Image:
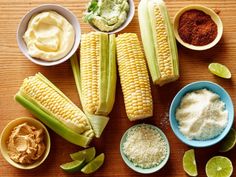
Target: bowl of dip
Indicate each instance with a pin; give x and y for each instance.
(25, 143)
(144, 148)
(48, 35)
(109, 16)
(197, 27)
(201, 114)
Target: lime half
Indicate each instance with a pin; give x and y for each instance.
(219, 166)
(87, 154)
(94, 165)
(219, 70)
(73, 166)
(229, 141)
(189, 163)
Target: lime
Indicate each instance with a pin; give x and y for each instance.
(94, 165)
(87, 154)
(229, 141)
(219, 70)
(73, 166)
(189, 163)
(219, 166)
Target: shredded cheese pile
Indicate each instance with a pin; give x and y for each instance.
(145, 147)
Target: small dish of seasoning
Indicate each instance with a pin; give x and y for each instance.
(197, 27)
(25, 143)
(201, 114)
(109, 16)
(48, 35)
(144, 148)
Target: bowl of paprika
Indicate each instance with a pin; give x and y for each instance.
(197, 27)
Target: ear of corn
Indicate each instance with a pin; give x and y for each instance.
(158, 41)
(96, 77)
(134, 77)
(53, 108)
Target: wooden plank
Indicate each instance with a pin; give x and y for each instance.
(14, 67)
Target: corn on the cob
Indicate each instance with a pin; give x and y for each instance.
(158, 41)
(54, 109)
(96, 77)
(134, 77)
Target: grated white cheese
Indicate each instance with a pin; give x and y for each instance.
(201, 115)
(144, 146)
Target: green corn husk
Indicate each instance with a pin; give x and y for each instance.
(105, 79)
(158, 41)
(45, 101)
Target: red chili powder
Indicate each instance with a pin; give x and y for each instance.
(197, 28)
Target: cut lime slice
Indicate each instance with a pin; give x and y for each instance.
(219, 166)
(73, 166)
(219, 70)
(87, 154)
(189, 163)
(228, 142)
(94, 165)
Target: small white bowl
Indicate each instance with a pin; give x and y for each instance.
(206, 10)
(24, 25)
(6, 133)
(125, 24)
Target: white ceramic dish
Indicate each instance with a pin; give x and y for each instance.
(125, 24)
(208, 11)
(6, 133)
(46, 7)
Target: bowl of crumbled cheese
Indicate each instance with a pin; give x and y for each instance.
(144, 148)
(201, 114)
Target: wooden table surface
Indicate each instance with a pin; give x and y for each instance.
(14, 67)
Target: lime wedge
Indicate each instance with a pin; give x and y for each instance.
(189, 163)
(219, 70)
(73, 166)
(228, 142)
(219, 166)
(87, 154)
(94, 165)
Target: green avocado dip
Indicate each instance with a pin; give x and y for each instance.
(107, 15)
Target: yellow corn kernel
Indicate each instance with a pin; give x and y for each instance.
(96, 77)
(89, 68)
(163, 50)
(55, 104)
(134, 77)
(158, 41)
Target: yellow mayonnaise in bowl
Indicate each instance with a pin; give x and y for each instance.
(5, 138)
(48, 35)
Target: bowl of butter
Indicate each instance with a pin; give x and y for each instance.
(201, 114)
(48, 35)
(25, 143)
(109, 16)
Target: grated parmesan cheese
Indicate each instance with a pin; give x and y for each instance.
(145, 146)
(201, 115)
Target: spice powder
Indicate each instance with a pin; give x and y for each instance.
(197, 28)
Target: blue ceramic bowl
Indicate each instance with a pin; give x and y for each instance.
(139, 169)
(224, 96)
